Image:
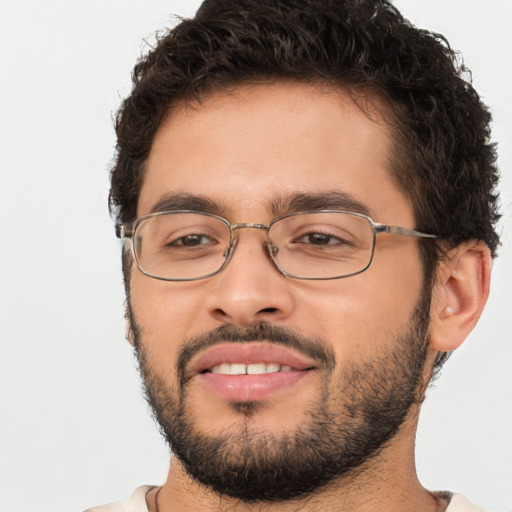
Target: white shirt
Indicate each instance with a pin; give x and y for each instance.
(137, 503)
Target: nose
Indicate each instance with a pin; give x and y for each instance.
(250, 289)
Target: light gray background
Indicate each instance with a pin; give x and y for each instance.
(74, 430)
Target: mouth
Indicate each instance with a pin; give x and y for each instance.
(250, 371)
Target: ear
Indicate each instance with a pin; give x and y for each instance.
(459, 294)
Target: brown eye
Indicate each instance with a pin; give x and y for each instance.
(320, 239)
(193, 240)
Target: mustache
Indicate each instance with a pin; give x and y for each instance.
(315, 348)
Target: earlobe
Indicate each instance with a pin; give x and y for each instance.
(459, 294)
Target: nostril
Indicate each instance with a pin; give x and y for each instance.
(268, 310)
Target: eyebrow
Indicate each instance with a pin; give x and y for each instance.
(331, 200)
(279, 205)
(174, 202)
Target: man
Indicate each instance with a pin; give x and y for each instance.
(306, 192)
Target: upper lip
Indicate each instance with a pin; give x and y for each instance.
(250, 353)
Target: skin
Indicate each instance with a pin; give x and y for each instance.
(244, 149)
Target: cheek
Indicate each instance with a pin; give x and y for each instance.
(169, 313)
(362, 313)
(163, 314)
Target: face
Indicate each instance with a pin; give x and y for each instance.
(341, 359)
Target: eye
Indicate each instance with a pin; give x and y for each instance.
(318, 239)
(192, 240)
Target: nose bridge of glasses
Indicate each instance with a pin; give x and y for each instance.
(248, 225)
(269, 247)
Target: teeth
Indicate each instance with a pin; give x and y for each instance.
(256, 369)
(238, 369)
(224, 368)
(249, 369)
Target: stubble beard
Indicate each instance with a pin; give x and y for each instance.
(341, 431)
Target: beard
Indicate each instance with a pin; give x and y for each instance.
(361, 407)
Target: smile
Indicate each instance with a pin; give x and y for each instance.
(250, 371)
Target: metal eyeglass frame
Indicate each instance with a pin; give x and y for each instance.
(127, 230)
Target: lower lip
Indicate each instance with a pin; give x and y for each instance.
(248, 388)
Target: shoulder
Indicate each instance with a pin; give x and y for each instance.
(459, 503)
(135, 503)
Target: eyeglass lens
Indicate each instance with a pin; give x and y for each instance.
(315, 245)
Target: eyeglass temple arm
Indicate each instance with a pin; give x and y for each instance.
(396, 230)
(124, 230)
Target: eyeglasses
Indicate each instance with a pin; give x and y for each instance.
(188, 245)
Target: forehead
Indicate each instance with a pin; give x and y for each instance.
(254, 147)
